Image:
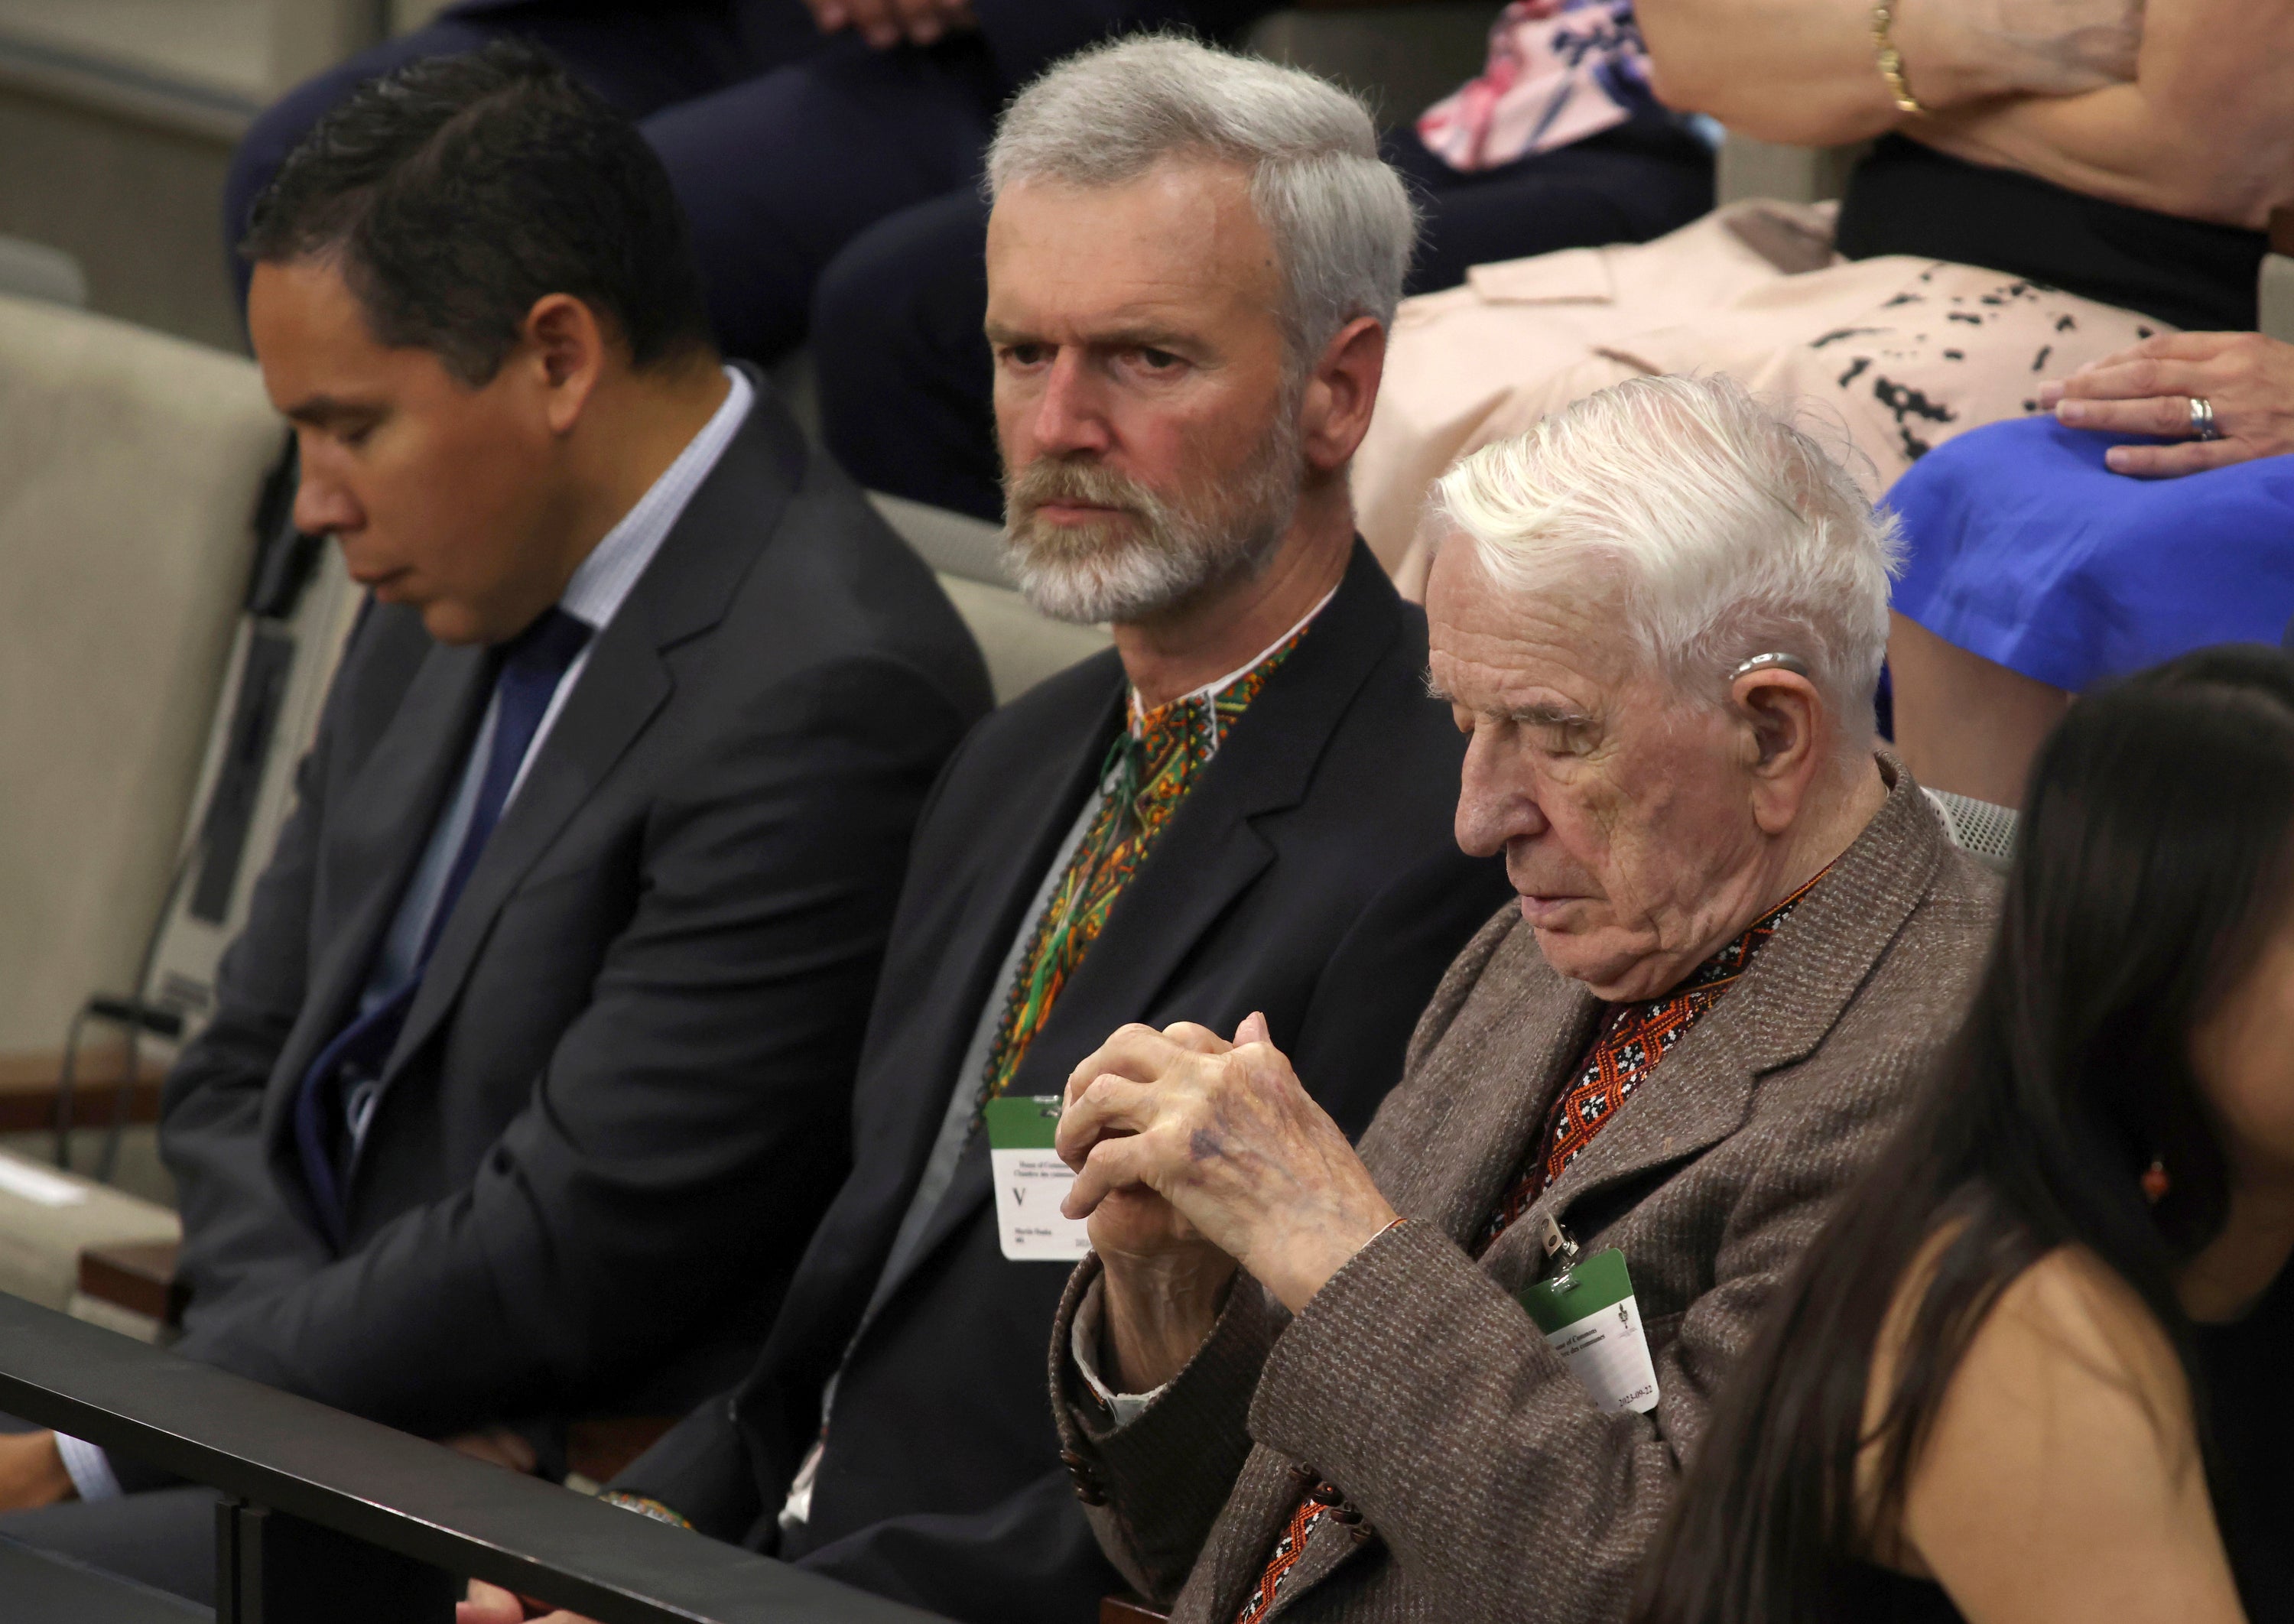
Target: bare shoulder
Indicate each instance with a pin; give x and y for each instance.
(2061, 1478)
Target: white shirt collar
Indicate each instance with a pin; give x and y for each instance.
(604, 580)
(1210, 691)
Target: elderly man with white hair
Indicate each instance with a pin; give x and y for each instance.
(1243, 806)
(1452, 1377)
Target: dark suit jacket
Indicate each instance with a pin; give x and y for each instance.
(1311, 874)
(618, 1104)
(1489, 1488)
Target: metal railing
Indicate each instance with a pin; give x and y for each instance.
(325, 1517)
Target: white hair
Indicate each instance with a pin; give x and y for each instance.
(1340, 218)
(1721, 531)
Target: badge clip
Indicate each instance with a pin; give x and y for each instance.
(1559, 1244)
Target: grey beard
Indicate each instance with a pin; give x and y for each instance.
(1163, 552)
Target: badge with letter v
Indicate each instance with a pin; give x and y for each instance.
(1031, 1181)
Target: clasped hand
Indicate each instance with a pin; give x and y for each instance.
(1185, 1144)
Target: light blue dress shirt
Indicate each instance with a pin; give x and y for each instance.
(595, 596)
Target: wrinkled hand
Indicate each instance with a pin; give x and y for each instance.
(497, 1446)
(2248, 378)
(886, 23)
(32, 1472)
(1225, 1135)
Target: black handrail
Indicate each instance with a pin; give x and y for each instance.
(397, 1492)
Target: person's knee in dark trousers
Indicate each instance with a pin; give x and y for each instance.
(639, 58)
(905, 375)
(780, 174)
(163, 1538)
(1647, 176)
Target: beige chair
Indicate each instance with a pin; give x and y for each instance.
(279, 671)
(48, 1219)
(1985, 831)
(128, 476)
(128, 473)
(2274, 314)
(32, 270)
(1021, 647)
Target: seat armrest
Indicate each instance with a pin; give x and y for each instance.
(138, 1277)
(29, 1085)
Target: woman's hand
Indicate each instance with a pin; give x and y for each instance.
(2247, 379)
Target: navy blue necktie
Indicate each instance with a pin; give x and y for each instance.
(533, 664)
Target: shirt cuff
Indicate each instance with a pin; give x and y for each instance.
(1083, 1341)
(91, 1470)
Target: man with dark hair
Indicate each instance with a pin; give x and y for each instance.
(531, 1065)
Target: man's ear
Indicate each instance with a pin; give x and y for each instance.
(1783, 718)
(1343, 388)
(569, 351)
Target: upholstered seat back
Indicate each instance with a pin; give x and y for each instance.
(129, 468)
(1021, 647)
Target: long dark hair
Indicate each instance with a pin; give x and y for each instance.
(2152, 865)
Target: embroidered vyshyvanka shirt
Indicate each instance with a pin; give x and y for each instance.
(1633, 1037)
(1149, 770)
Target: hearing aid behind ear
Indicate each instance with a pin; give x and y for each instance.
(1794, 663)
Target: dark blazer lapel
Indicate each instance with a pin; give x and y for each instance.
(683, 593)
(377, 828)
(1045, 795)
(1208, 854)
(1790, 998)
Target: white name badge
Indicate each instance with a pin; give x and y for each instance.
(1031, 1181)
(1591, 1320)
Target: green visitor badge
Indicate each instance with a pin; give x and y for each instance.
(1588, 1317)
(1032, 1180)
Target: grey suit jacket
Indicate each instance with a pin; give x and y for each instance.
(1489, 1485)
(619, 1101)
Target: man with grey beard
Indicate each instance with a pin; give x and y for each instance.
(1243, 808)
